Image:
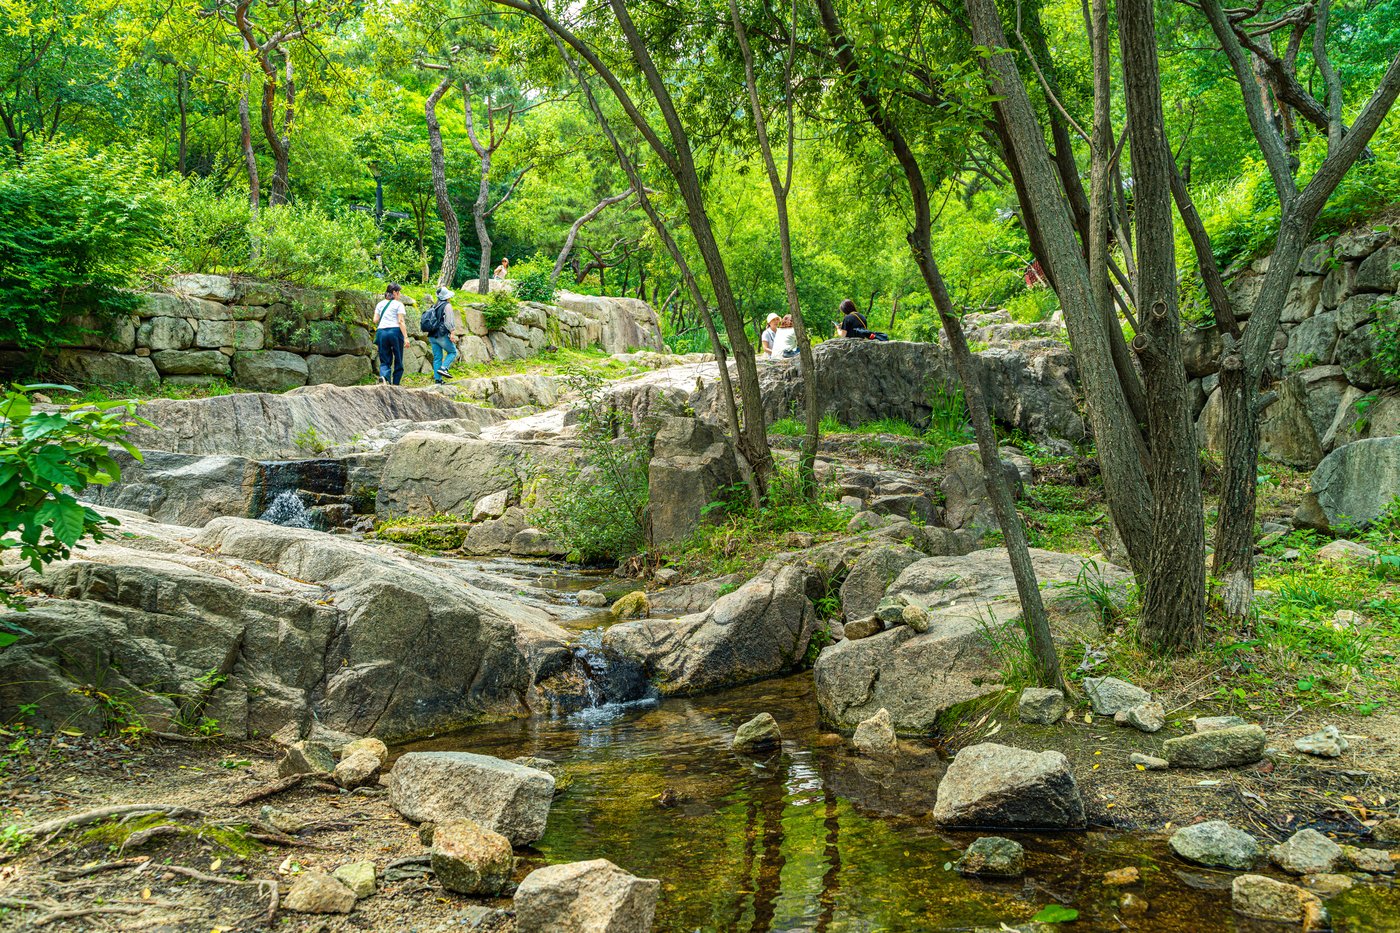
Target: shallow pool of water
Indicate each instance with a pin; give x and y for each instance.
(816, 839)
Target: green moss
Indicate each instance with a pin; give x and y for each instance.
(232, 839)
(435, 533)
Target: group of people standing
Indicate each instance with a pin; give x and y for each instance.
(439, 322)
(779, 340)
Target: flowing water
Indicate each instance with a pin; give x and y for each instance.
(288, 510)
(817, 839)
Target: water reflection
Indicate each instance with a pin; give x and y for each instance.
(816, 839)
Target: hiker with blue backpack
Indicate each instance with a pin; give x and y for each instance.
(440, 324)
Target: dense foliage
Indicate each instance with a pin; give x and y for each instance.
(47, 459)
(139, 170)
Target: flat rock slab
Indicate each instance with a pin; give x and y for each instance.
(501, 796)
(1001, 786)
(1232, 747)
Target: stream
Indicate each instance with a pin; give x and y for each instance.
(818, 839)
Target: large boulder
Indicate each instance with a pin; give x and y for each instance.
(267, 427)
(919, 676)
(585, 897)
(269, 370)
(501, 796)
(1356, 483)
(969, 504)
(759, 630)
(871, 575)
(1000, 786)
(1030, 387)
(90, 367)
(181, 489)
(429, 474)
(302, 626)
(692, 465)
(618, 325)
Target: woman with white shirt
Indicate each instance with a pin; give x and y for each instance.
(390, 334)
(784, 340)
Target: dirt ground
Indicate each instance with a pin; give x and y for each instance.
(142, 892)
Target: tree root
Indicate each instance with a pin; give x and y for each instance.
(268, 790)
(52, 828)
(266, 886)
(57, 912)
(68, 874)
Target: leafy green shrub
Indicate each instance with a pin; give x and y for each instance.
(535, 286)
(499, 308)
(47, 458)
(305, 243)
(1385, 337)
(597, 506)
(206, 230)
(1033, 305)
(75, 229)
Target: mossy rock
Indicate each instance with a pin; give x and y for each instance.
(632, 606)
(435, 536)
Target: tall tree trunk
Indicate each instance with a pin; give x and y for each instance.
(483, 195)
(1122, 449)
(182, 85)
(753, 440)
(452, 231)
(781, 186)
(1173, 614)
(629, 168)
(1033, 617)
(250, 158)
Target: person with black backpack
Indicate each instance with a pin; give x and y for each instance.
(440, 324)
(853, 324)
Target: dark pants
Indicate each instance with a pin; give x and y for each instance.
(389, 340)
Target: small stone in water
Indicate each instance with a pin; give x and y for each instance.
(993, 857)
(1266, 899)
(1041, 705)
(1328, 885)
(1122, 876)
(1148, 762)
(1326, 742)
(1371, 861)
(760, 732)
(875, 736)
(632, 606)
(592, 599)
(1215, 844)
(1307, 852)
(1133, 905)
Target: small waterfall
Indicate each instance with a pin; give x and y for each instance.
(598, 683)
(288, 510)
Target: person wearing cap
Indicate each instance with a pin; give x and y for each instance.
(444, 342)
(766, 338)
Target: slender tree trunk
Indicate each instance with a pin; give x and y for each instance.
(182, 85)
(1120, 443)
(578, 225)
(1033, 617)
(781, 187)
(452, 231)
(483, 195)
(250, 158)
(1173, 614)
(731, 409)
(753, 440)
